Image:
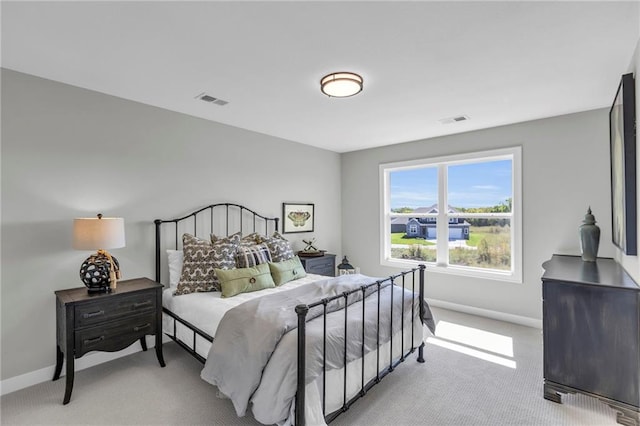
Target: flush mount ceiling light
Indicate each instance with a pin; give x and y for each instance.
(341, 84)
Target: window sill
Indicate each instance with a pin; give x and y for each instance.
(512, 277)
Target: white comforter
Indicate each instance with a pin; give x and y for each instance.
(205, 310)
(253, 357)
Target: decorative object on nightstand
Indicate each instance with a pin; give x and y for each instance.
(345, 267)
(106, 322)
(589, 237)
(100, 271)
(320, 265)
(310, 250)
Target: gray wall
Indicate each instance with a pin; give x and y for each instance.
(565, 170)
(69, 152)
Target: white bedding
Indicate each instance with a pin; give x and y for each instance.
(205, 310)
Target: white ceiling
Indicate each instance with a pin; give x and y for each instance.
(496, 62)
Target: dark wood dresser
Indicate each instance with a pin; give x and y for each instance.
(591, 330)
(106, 322)
(321, 265)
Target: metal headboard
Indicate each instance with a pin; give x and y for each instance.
(237, 218)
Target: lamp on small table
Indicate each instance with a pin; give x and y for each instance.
(100, 271)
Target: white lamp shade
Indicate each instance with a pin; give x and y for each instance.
(94, 233)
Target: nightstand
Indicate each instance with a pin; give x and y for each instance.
(320, 265)
(106, 322)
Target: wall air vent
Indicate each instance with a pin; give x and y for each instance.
(455, 119)
(210, 99)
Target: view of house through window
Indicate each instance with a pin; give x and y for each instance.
(478, 192)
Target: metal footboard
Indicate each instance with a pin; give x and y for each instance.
(302, 310)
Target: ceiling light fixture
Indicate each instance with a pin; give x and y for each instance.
(341, 84)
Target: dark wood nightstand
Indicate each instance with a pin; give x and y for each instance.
(321, 265)
(106, 322)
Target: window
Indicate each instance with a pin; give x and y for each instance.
(473, 200)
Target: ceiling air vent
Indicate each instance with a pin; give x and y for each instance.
(455, 119)
(208, 98)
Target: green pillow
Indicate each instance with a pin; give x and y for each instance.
(287, 270)
(244, 280)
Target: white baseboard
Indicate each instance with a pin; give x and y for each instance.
(45, 374)
(501, 316)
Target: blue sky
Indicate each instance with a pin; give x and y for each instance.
(470, 185)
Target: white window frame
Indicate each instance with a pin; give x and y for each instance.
(442, 265)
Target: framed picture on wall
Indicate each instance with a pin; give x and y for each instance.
(297, 217)
(623, 167)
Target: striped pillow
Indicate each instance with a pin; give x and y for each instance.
(249, 256)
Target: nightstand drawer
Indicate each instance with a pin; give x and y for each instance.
(322, 265)
(103, 310)
(321, 269)
(115, 335)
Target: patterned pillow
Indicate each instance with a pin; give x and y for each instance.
(249, 240)
(253, 255)
(215, 238)
(279, 247)
(200, 259)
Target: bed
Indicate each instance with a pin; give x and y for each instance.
(298, 353)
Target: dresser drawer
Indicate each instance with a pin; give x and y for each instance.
(115, 335)
(87, 314)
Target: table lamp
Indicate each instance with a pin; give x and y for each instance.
(100, 271)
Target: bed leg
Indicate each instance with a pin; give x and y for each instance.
(301, 310)
(422, 302)
(421, 353)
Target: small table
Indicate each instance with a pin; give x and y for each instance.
(106, 322)
(320, 265)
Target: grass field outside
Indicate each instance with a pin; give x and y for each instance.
(487, 247)
(398, 238)
(493, 234)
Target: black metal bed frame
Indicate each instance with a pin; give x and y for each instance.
(302, 310)
(240, 212)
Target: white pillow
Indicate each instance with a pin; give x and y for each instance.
(175, 258)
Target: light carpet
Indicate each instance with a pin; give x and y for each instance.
(478, 372)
